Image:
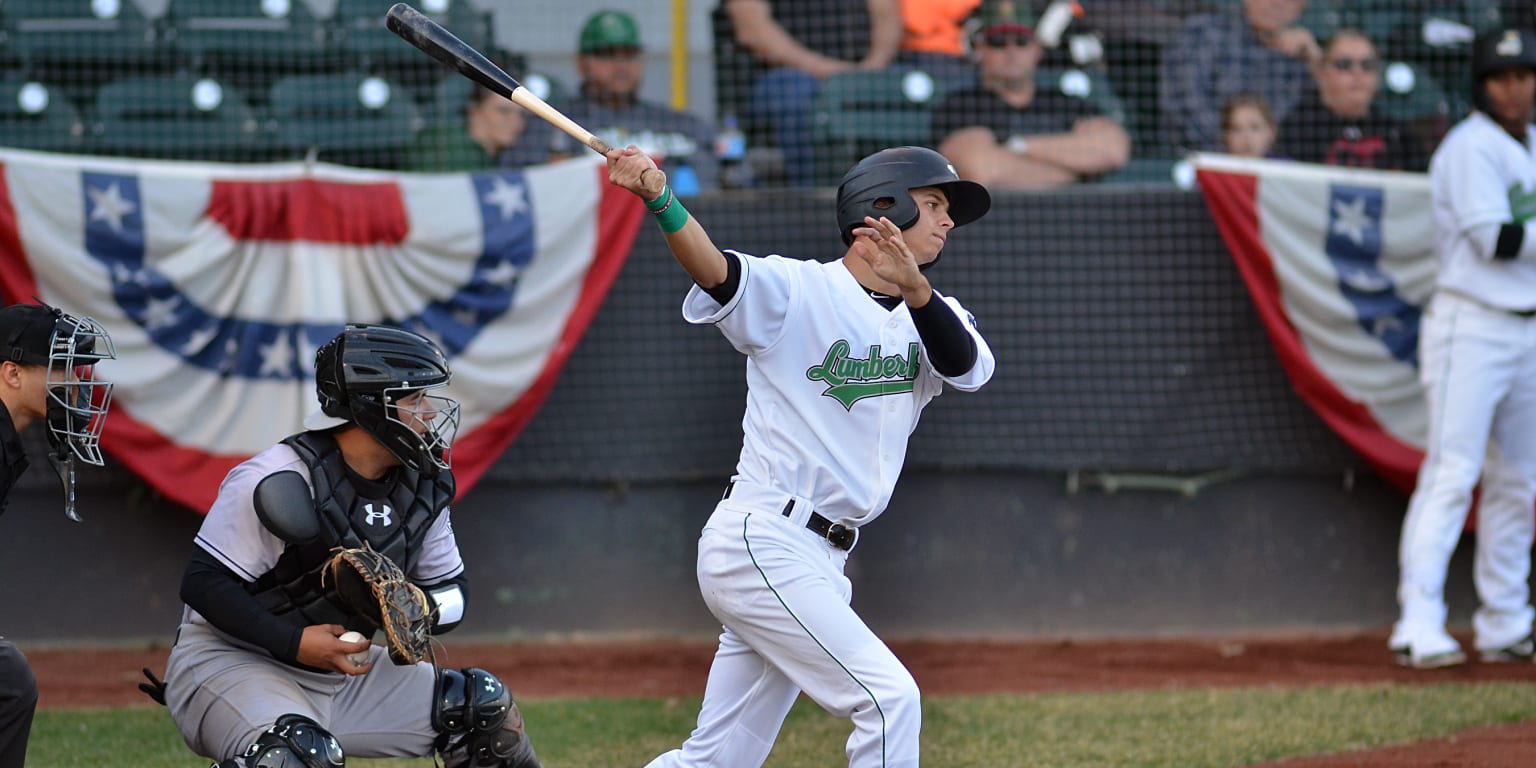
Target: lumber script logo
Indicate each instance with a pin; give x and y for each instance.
(852, 379)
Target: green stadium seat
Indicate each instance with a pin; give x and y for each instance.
(1144, 170)
(180, 116)
(860, 112)
(42, 33)
(1090, 84)
(350, 118)
(36, 116)
(361, 33)
(281, 34)
(1412, 95)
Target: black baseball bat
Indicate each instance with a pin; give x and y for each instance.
(430, 37)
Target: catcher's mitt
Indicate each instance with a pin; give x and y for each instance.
(372, 585)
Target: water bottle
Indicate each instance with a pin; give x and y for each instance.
(731, 148)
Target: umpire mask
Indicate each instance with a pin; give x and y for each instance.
(77, 400)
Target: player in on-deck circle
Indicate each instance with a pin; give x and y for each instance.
(47, 373)
(841, 359)
(1477, 361)
(259, 675)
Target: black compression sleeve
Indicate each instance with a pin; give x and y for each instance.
(1511, 237)
(950, 346)
(723, 292)
(214, 591)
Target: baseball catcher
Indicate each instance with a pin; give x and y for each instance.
(343, 527)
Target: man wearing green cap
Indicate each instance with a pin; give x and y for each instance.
(610, 64)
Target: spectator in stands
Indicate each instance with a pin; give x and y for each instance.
(1247, 126)
(1334, 124)
(1008, 134)
(495, 134)
(611, 67)
(802, 43)
(934, 38)
(1216, 55)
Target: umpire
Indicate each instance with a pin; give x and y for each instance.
(46, 359)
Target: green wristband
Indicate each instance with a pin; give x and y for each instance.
(662, 200)
(673, 218)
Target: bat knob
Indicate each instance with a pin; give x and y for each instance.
(653, 188)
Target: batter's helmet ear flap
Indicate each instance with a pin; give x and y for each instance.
(881, 184)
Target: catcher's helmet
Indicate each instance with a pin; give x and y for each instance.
(1497, 50)
(879, 184)
(362, 375)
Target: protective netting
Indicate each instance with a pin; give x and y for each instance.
(258, 80)
(1126, 337)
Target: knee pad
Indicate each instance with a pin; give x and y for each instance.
(295, 741)
(479, 725)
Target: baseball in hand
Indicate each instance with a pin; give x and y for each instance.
(361, 657)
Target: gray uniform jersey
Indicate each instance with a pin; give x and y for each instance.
(223, 692)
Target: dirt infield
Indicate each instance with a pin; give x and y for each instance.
(108, 677)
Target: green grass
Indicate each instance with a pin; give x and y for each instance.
(1151, 729)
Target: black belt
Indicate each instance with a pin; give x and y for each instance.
(838, 535)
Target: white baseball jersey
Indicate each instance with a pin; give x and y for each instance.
(1482, 176)
(1477, 362)
(234, 535)
(835, 382)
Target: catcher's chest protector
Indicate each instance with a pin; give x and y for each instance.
(394, 524)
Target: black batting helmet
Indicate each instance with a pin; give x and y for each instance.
(879, 184)
(362, 375)
(1496, 50)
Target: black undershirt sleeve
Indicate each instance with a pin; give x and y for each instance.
(723, 292)
(1511, 237)
(949, 345)
(214, 591)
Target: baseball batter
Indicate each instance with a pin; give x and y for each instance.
(841, 359)
(1477, 354)
(47, 365)
(260, 674)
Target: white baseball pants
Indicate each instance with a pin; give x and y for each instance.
(1478, 366)
(780, 592)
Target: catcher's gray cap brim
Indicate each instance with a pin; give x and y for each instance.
(318, 421)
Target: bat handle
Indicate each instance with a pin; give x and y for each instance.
(603, 148)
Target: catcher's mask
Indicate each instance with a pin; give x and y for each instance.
(77, 401)
(377, 377)
(881, 184)
(1498, 50)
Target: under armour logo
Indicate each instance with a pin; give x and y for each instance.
(370, 516)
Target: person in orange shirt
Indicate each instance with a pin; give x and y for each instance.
(934, 38)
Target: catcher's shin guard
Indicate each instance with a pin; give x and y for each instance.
(479, 724)
(295, 741)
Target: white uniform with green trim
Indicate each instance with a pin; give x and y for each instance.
(1477, 360)
(836, 383)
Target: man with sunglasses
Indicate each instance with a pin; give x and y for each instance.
(1217, 55)
(1335, 124)
(261, 673)
(611, 64)
(47, 362)
(1477, 361)
(1009, 133)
